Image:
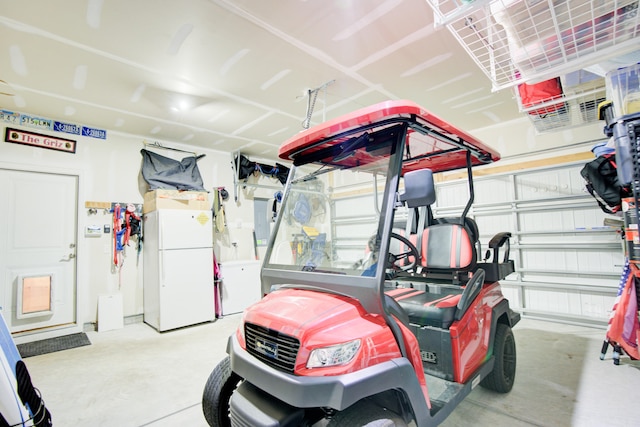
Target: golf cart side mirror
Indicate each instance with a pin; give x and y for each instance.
(418, 188)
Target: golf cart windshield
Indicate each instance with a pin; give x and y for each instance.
(331, 216)
(337, 221)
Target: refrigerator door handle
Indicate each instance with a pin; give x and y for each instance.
(160, 236)
(162, 270)
(161, 250)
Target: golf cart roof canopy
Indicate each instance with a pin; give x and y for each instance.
(433, 143)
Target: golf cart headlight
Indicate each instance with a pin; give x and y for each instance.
(334, 355)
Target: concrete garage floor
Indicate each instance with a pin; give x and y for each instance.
(138, 377)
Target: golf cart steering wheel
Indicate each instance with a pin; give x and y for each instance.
(399, 261)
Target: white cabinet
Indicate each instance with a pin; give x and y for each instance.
(240, 285)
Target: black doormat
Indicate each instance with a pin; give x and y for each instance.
(51, 345)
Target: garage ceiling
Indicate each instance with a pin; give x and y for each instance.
(234, 74)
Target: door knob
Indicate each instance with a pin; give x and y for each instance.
(71, 256)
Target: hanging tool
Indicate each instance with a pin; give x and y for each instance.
(118, 234)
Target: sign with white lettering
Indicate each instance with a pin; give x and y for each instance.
(66, 127)
(42, 123)
(94, 133)
(38, 140)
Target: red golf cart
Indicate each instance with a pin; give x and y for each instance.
(376, 312)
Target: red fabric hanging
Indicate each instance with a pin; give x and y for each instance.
(624, 328)
(548, 90)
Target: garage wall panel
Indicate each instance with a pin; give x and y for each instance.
(452, 194)
(568, 262)
(490, 224)
(514, 296)
(498, 190)
(548, 183)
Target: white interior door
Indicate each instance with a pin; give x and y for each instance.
(38, 250)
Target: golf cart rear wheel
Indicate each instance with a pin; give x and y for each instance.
(504, 370)
(217, 392)
(366, 414)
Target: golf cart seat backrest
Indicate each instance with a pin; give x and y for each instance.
(448, 247)
(448, 251)
(469, 223)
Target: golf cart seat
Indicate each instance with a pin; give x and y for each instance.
(427, 308)
(448, 253)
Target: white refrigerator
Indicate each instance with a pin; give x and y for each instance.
(178, 268)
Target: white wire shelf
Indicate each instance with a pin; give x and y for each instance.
(577, 106)
(516, 41)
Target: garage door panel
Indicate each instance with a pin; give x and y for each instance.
(568, 263)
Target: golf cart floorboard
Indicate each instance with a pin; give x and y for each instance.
(441, 391)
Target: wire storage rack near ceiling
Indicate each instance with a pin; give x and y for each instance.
(532, 41)
(575, 104)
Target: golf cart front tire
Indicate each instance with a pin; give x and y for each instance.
(217, 392)
(366, 414)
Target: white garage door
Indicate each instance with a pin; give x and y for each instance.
(567, 263)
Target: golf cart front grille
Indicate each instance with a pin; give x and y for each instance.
(273, 348)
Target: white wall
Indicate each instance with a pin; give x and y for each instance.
(109, 171)
(519, 137)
